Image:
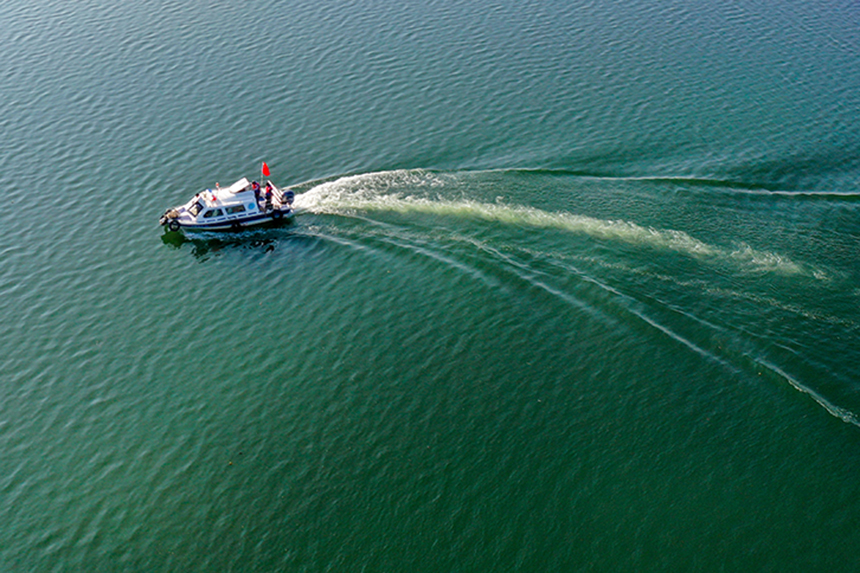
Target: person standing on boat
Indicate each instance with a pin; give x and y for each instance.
(256, 187)
(268, 196)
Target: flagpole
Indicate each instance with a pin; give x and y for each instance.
(264, 172)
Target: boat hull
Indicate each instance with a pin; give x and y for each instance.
(236, 224)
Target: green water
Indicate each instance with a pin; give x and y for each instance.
(571, 286)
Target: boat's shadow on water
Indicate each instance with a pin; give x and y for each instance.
(205, 246)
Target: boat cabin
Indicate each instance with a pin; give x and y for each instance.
(214, 205)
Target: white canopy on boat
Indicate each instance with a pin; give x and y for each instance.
(239, 185)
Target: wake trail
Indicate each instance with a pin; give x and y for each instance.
(395, 192)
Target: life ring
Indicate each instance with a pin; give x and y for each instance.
(277, 215)
(173, 225)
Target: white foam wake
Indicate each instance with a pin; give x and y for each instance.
(384, 192)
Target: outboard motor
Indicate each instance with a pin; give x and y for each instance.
(289, 196)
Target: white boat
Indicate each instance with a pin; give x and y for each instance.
(242, 204)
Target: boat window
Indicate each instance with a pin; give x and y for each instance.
(212, 213)
(195, 209)
(235, 209)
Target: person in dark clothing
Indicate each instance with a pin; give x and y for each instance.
(268, 196)
(256, 188)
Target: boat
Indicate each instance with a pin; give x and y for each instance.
(242, 204)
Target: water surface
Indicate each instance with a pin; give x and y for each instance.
(572, 286)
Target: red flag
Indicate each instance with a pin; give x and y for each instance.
(265, 170)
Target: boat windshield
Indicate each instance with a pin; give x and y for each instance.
(195, 209)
